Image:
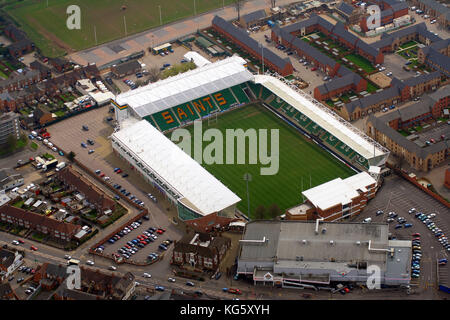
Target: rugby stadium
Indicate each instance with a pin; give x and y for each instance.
(316, 145)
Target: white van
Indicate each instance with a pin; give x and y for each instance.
(367, 220)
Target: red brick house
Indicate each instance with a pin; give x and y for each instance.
(243, 40)
(57, 229)
(200, 250)
(337, 86)
(75, 182)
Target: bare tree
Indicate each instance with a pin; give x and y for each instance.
(239, 4)
(153, 74)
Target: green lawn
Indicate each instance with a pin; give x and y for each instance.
(408, 44)
(297, 159)
(43, 23)
(34, 146)
(361, 62)
(371, 87)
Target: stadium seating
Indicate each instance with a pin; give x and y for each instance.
(277, 102)
(255, 88)
(166, 120)
(152, 122)
(203, 107)
(185, 112)
(332, 140)
(240, 94)
(266, 93)
(228, 96)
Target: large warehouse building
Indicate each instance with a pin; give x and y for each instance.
(194, 191)
(296, 253)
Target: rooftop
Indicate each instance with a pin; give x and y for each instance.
(176, 168)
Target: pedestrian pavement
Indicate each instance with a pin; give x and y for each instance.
(105, 53)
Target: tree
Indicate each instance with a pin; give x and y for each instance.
(154, 74)
(260, 212)
(71, 156)
(239, 4)
(274, 211)
(11, 143)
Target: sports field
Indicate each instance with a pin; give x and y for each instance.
(298, 159)
(46, 26)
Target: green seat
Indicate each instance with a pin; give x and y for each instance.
(240, 94)
(206, 104)
(166, 120)
(255, 88)
(185, 112)
(332, 140)
(224, 99)
(266, 93)
(152, 122)
(277, 102)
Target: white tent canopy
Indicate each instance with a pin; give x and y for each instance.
(185, 87)
(179, 170)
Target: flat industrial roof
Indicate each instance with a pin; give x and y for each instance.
(193, 84)
(334, 124)
(152, 148)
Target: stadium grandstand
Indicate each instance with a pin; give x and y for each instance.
(194, 191)
(181, 99)
(320, 122)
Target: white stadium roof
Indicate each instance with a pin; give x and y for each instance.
(185, 87)
(335, 125)
(338, 191)
(178, 169)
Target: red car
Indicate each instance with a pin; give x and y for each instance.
(119, 171)
(234, 291)
(33, 271)
(20, 241)
(159, 231)
(33, 248)
(416, 235)
(314, 69)
(416, 239)
(102, 175)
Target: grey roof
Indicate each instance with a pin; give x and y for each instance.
(6, 258)
(425, 77)
(15, 77)
(438, 7)
(336, 83)
(254, 16)
(367, 48)
(128, 66)
(343, 70)
(399, 6)
(416, 109)
(308, 49)
(387, 12)
(366, 102)
(434, 58)
(421, 28)
(243, 37)
(284, 241)
(345, 8)
(441, 93)
(440, 44)
(399, 139)
(340, 31)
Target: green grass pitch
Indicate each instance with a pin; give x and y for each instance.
(298, 158)
(45, 25)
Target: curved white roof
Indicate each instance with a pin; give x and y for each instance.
(178, 169)
(185, 87)
(325, 118)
